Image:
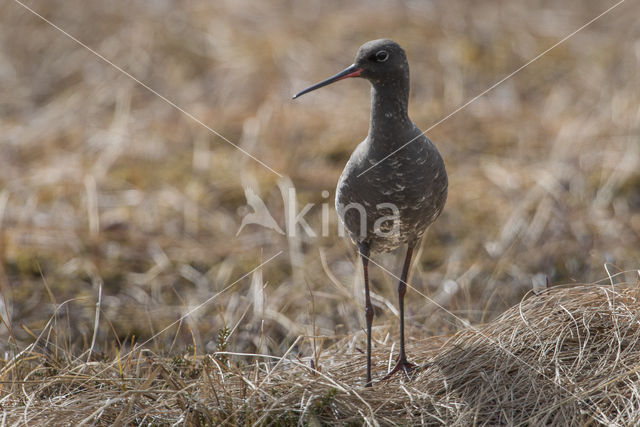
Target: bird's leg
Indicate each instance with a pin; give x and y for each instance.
(364, 255)
(403, 363)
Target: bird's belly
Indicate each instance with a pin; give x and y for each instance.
(389, 211)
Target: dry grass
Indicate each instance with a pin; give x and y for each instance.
(567, 356)
(112, 202)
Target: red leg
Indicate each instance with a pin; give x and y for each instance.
(364, 255)
(403, 363)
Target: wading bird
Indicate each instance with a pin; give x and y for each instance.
(395, 183)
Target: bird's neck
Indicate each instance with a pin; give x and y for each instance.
(389, 110)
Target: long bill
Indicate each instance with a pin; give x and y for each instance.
(351, 71)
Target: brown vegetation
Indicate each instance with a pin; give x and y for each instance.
(562, 357)
(119, 212)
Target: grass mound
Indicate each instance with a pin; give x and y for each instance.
(566, 356)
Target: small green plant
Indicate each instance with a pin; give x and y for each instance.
(221, 345)
(323, 406)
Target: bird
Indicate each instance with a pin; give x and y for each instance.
(395, 184)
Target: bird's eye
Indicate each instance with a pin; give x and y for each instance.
(382, 56)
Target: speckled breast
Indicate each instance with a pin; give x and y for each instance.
(395, 201)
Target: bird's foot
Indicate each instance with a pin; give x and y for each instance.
(403, 365)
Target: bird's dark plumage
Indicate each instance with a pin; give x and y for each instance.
(413, 179)
(395, 183)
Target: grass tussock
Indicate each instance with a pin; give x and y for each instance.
(564, 356)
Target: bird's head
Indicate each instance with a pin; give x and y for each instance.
(378, 61)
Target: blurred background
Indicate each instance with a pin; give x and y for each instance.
(105, 184)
